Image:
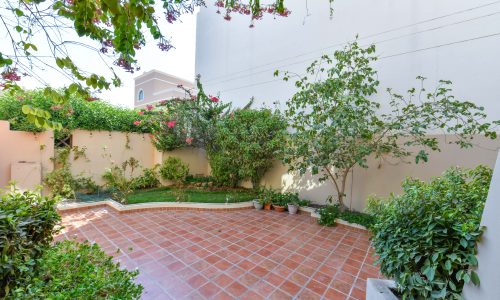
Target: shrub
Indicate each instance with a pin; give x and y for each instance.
(148, 179)
(426, 237)
(174, 169)
(328, 214)
(70, 270)
(27, 224)
(119, 186)
(245, 145)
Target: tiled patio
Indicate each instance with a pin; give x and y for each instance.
(244, 254)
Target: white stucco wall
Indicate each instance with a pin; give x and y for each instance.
(239, 61)
(488, 259)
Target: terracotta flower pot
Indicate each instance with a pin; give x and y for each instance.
(267, 206)
(279, 208)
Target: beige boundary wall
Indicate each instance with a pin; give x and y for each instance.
(103, 148)
(24, 156)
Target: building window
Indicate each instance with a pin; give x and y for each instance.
(140, 96)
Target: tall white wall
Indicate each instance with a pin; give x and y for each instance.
(239, 61)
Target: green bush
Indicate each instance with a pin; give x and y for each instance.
(245, 145)
(174, 169)
(70, 270)
(426, 237)
(27, 224)
(148, 179)
(78, 113)
(119, 186)
(328, 214)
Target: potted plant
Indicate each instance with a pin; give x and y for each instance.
(279, 202)
(294, 202)
(265, 197)
(258, 204)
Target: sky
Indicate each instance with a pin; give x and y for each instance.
(178, 61)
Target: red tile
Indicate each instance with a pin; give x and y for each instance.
(316, 287)
(197, 281)
(290, 288)
(236, 289)
(279, 295)
(209, 290)
(358, 294)
(334, 294)
(223, 280)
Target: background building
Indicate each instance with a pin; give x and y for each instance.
(155, 85)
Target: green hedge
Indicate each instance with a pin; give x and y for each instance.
(27, 224)
(70, 270)
(426, 238)
(96, 115)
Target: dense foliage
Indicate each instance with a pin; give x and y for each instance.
(174, 169)
(76, 114)
(426, 237)
(245, 145)
(70, 270)
(148, 179)
(176, 123)
(27, 224)
(337, 124)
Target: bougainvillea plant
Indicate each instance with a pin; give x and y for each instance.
(42, 35)
(179, 122)
(338, 125)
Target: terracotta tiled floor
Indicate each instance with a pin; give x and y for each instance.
(230, 255)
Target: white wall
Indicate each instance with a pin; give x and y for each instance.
(488, 259)
(239, 61)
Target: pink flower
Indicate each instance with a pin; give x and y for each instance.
(189, 140)
(213, 98)
(149, 107)
(140, 112)
(137, 123)
(162, 101)
(171, 124)
(193, 97)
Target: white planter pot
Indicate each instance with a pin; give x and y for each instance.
(380, 289)
(257, 204)
(292, 209)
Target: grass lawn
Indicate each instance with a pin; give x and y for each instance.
(166, 194)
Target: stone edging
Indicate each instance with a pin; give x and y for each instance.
(120, 208)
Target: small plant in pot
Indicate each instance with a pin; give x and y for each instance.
(265, 197)
(279, 202)
(293, 202)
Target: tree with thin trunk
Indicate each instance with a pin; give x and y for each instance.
(337, 125)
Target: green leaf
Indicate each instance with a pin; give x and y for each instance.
(474, 278)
